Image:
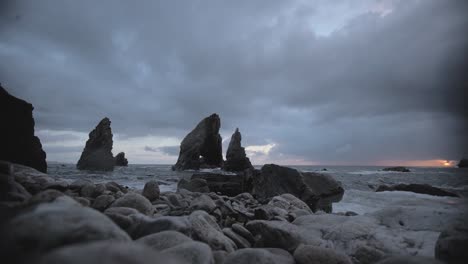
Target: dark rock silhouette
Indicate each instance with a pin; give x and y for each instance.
(201, 148)
(236, 159)
(463, 163)
(416, 188)
(17, 140)
(97, 154)
(317, 190)
(398, 169)
(230, 185)
(120, 160)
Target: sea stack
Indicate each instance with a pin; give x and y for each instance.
(17, 140)
(236, 159)
(201, 148)
(120, 160)
(463, 163)
(97, 154)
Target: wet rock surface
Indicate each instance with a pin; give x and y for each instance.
(417, 188)
(120, 160)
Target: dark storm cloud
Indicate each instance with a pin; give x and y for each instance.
(380, 87)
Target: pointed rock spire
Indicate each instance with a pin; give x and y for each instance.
(97, 154)
(236, 159)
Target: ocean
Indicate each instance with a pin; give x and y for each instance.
(358, 181)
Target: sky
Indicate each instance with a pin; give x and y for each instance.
(345, 82)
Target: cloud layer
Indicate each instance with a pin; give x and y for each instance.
(348, 82)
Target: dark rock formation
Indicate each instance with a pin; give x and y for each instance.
(201, 148)
(226, 184)
(452, 244)
(463, 163)
(318, 191)
(17, 140)
(236, 160)
(97, 154)
(120, 160)
(416, 188)
(398, 169)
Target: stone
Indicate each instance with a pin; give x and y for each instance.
(205, 229)
(88, 190)
(226, 184)
(120, 160)
(463, 163)
(289, 203)
(202, 147)
(55, 224)
(45, 197)
(236, 159)
(107, 252)
(164, 240)
(202, 202)
(136, 201)
(102, 202)
(143, 226)
(411, 260)
(192, 252)
(219, 256)
(237, 239)
(243, 232)
(306, 254)
(151, 190)
(259, 256)
(397, 169)
(417, 188)
(19, 144)
(121, 216)
(10, 190)
(97, 154)
(194, 185)
(317, 190)
(83, 201)
(452, 244)
(114, 187)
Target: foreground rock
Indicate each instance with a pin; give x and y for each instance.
(236, 159)
(452, 245)
(417, 188)
(97, 154)
(259, 256)
(58, 223)
(305, 254)
(226, 184)
(397, 169)
(151, 190)
(463, 163)
(135, 201)
(17, 140)
(120, 160)
(201, 148)
(109, 253)
(318, 191)
(164, 240)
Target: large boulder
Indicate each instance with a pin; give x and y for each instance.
(202, 147)
(417, 188)
(17, 140)
(120, 160)
(236, 159)
(164, 240)
(317, 190)
(192, 252)
(194, 185)
(151, 190)
(135, 201)
(452, 244)
(97, 154)
(226, 184)
(259, 256)
(205, 229)
(55, 224)
(108, 252)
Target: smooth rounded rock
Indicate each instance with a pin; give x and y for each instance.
(164, 240)
(306, 254)
(136, 201)
(102, 202)
(205, 229)
(259, 256)
(151, 190)
(192, 252)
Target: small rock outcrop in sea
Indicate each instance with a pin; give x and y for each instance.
(236, 159)
(317, 190)
(417, 188)
(201, 148)
(17, 140)
(398, 169)
(463, 163)
(97, 154)
(120, 160)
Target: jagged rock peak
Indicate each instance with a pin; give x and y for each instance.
(202, 147)
(97, 154)
(17, 140)
(120, 160)
(236, 159)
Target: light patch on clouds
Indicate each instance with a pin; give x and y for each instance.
(259, 149)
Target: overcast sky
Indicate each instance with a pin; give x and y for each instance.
(376, 82)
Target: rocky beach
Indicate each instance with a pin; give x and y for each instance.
(207, 210)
